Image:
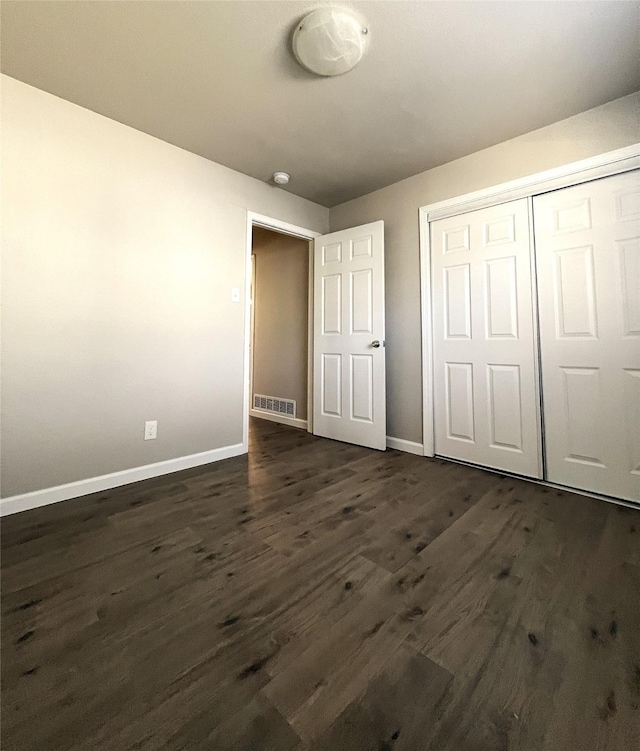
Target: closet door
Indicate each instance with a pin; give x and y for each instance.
(486, 401)
(587, 242)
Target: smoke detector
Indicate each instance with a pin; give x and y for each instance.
(281, 178)
(330, 41)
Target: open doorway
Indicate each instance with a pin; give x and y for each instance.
(345, 335)
(279, 337)
(279, 375)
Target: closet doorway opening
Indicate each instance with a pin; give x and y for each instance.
(280, 298)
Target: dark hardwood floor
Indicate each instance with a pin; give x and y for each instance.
(320, 596)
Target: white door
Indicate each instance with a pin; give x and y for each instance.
(486, 400)
(588, 258)
(349, 354)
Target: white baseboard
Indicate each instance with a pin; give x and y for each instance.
(401, 445)
(294, 422)
(16, 503)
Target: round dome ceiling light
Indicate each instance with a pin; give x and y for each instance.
(281, 178)
(330, 41)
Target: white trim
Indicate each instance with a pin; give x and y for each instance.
(294, 422)
(246, 391)
(267, 222)
(310, 312)
(17, 503)
(252, 322)
(410, 447)
(537, 353)
(428, 421)
(287, 229)
(603, 165)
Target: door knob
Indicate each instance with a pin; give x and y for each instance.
(375, 343)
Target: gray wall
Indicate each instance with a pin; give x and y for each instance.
(596, 131)
(281, 300)
(119, 255)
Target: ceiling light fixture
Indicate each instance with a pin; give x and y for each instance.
(281, 178)
(330, 41)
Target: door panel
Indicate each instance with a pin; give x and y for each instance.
(574, 293)
(505, 413)
(486, 400)
(331, 304)
(631, 396)
(459, 401)
(583, 412)
(588, 260)
(502, 298)
(362, 302)
(362, 387)
(349, 372)
(457, 302)
(331, 385)
(629, 274)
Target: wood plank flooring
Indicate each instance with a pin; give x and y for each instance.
(317, 596)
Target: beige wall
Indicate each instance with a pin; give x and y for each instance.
(281, 301)
(596, 131)
(119, 255)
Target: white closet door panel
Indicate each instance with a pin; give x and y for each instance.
(505, 409)
(459, 401)
(587, 241)
(485, 382)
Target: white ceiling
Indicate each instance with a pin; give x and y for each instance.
(441, 79)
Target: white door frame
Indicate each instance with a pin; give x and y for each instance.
(259, 220)
(604, 165)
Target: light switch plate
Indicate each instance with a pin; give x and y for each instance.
(235, 294)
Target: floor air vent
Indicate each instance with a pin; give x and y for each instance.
(277, 406)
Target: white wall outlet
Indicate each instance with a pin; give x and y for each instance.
(235, 294)
(150, 430)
